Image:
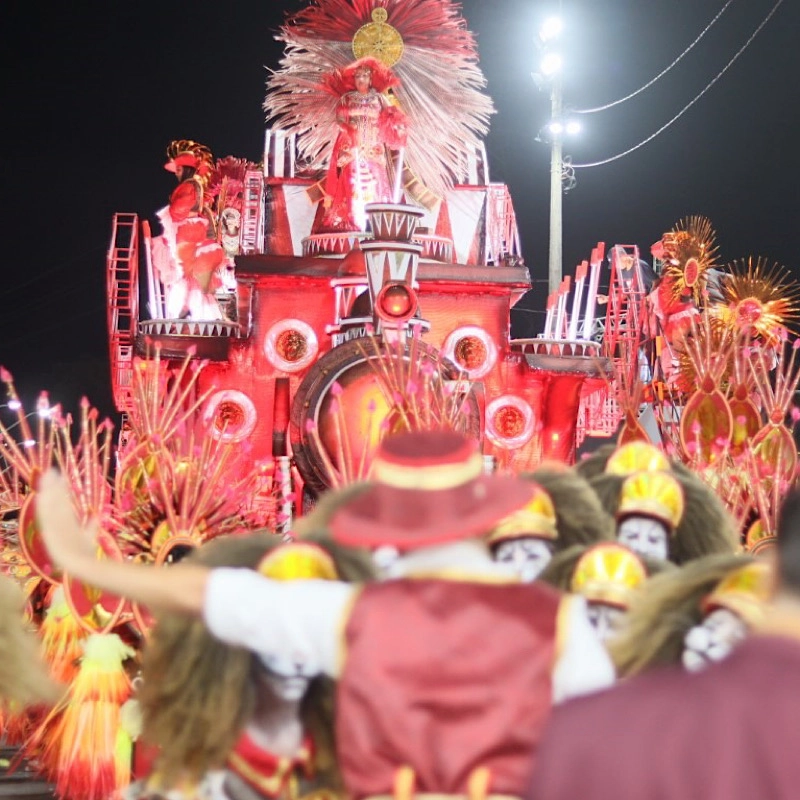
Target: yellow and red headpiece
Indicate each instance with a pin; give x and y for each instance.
(745, 592)
(297, 561)
(536, 519)
(652, 494)
(636, 456)
(608, 573)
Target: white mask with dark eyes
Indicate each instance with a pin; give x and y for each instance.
(528, 556)
(645, 536)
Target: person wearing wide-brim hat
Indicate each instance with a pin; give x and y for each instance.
(446, 672)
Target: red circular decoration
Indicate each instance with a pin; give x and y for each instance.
(291, 345)
(509, 422)
(230, 415)
(396, 302)
(691, 272)
(749, 311)
(472, 349)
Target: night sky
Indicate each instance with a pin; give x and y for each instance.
(94, 92)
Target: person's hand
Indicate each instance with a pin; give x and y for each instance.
(66, 540)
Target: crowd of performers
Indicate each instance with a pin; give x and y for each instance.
(415, 634)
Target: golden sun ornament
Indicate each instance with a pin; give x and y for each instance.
(761, 298)
(379, 40)
(689, 253)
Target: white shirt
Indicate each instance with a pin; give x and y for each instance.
(303, 620)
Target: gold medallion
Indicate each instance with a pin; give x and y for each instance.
(379, 40)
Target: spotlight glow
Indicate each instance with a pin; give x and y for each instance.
(551, 63)
(551, 29)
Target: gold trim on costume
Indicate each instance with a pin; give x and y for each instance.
(431, 478)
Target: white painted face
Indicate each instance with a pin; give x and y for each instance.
(605, 619)
(528, 556)
(288, 679)
(645, 536)
(712, 640)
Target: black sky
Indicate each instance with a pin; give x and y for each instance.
(93, 92)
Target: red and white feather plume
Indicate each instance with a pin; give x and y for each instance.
(440, 91)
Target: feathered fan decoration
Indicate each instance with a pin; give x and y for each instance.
(427, 45)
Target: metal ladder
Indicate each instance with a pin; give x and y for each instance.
(122, 289)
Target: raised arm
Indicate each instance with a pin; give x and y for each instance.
(296, 620)
(74, 549)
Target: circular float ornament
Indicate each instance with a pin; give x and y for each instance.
(691, 272)
(230, 415)
(30, 541)
(471, 349)
(379, 40)
(396, 302)
(510, 422)
(291, 345)
(96, 611)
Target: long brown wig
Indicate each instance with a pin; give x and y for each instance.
(24, 679)
(663, 613)
(198, 693)
(580, 518)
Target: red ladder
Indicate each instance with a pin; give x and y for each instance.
(122, 289)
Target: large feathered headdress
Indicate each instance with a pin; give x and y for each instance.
(426, 44)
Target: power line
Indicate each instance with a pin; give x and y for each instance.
(660, 74)
(688, 105)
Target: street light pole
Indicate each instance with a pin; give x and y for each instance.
(556, 195)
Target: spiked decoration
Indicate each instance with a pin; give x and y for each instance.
(762, 299)
(689, 253)
(25, 461)
(707, 422)
(773, 446)
(425, 43)
(172, 482)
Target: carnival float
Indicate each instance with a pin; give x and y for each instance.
(280, 315)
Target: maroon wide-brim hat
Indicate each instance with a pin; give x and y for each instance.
(428, 488)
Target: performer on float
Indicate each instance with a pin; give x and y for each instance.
(665, 624)
(410, 716)
(364, 160)
(187, 257)
(226, 722)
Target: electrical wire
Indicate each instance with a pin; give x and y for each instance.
(660, 74)
(688, 105)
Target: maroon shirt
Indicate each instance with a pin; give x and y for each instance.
(731, 732)
(445, 677)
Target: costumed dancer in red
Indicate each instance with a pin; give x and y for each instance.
(188, 257)
(370, 127)
(447, 673)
